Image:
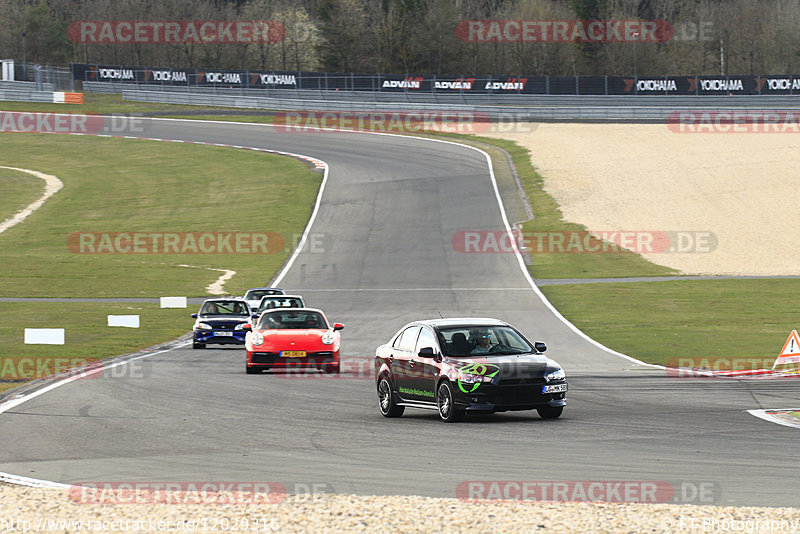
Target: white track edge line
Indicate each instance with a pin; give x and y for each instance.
(13, 403)
(762, 414)
(17, 480)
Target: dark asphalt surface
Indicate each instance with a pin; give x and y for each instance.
(390, 210)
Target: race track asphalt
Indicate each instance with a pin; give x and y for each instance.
(387, 218)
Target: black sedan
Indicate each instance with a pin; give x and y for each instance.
(457, 366)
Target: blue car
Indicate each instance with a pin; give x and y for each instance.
(220, 321)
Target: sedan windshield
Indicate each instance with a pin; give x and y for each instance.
(267, 303)
(221, 307)
(256, 294)
(482, 340)
(281, 320)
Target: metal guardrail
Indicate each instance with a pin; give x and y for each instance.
(524, 107)
(26, 86)
(365, 98)
(16, 95)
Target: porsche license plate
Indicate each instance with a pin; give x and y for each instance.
(293, 354)
(223, 334)
(555, 388)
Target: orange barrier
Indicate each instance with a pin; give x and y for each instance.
(73, 98)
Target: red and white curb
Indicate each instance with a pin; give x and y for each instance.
(762, 374)
(318, 163)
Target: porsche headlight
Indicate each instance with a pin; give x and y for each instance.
(256, 338)
(203, 326)
(555, 374)
(328, 338)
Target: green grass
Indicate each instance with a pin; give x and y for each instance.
(87, 336)
(19, 190)
(660, 321)
(119, 185)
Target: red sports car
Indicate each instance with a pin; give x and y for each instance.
(293, 338)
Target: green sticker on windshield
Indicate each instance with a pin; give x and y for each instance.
(475, 370)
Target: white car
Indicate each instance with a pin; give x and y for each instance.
(253, 295)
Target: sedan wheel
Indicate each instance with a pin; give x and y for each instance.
(447, 408)
(386, 401)
(198, 345)
(550, 412)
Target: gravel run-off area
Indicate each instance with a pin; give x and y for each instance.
(736, 192)
(55, 510)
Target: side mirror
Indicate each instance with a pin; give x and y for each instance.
(539, 346)
(247, 326)
(194, 316)
(426, 352)
(338, 326)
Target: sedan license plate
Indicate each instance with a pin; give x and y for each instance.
(293, 354)
(555, 388)
(224, 334)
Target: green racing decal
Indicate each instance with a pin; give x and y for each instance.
(420, 392)
(474, 374)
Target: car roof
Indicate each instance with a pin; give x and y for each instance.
(225, 299)
(281, 297)
(261, 288)
(461, 321)
(293, 310)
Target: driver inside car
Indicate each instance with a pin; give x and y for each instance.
(483, 343)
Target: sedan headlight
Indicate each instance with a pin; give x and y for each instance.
(469, 378)
(256, 338)
(203, 326)
(239, 326)
(328, 338)
(555, 374)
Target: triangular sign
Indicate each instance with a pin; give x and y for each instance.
(790, 352)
